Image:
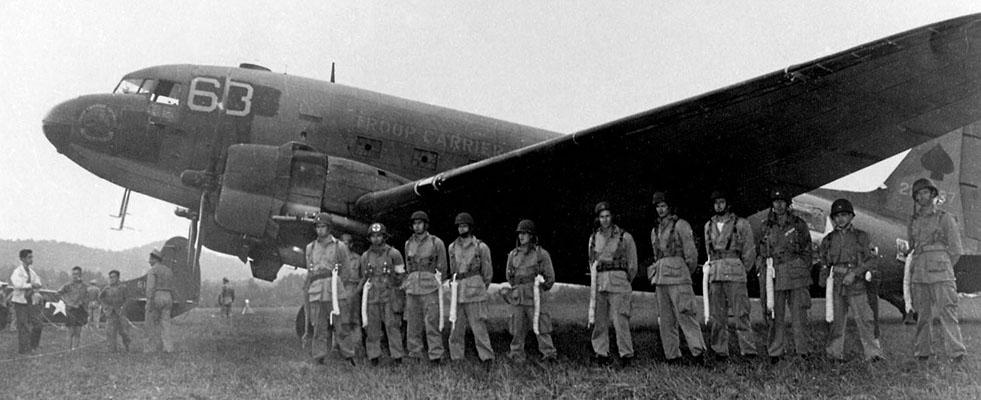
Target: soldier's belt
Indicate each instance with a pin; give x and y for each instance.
(610, 266)
(320, 275)
(932, 247)
(784, 259)
(470, 273)
(422, 268)
(524, 280)
(351, 282)
(716, 255)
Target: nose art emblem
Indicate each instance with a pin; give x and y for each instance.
(97, 123)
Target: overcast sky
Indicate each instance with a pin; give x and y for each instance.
(559, 65)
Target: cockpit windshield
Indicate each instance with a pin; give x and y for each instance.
(159, 90)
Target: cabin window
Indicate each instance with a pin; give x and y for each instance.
(367, 147)
(425, 159)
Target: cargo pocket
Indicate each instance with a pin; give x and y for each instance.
(686, 303)
(473, 288)
(672, 271)
(427, 282)
(544, 322)
(730, 271)
(937, 265)
(397, 300)
(797, 270)
(316, 290)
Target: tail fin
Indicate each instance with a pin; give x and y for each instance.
(953, 163)
(187, 277)
(187, 282)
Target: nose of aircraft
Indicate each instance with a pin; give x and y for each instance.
(57, 125)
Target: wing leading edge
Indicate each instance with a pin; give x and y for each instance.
(801, 128)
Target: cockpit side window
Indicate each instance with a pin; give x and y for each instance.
(166, 92)
(159, 90)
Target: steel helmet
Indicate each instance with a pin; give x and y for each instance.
(660, 197)
(602, 206)
(527, 226)
(420, 215)
(924, 183)
(840, 206)
(157, 254)
(464, 218)
(322, 218)
(719, 194)
(378, 228)
(780, 194)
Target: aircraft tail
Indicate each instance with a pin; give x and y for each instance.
(952, 162)
(187, 281)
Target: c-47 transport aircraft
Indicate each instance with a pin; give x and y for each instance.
(251, 155)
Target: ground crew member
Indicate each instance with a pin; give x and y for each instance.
(75, 296)
(25, 281)
(425, 258)
(936, 242)
(93, 304)
(325, 255)
(675, 258)
(845, 253)
(470, 266)
(382, 270)
(355, 261)
(731, 250)
(113, 299)
(226, 298)
(614, 253)
(159, 301)
(786, 242)
(525, 263)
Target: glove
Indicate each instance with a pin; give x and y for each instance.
(848, 279)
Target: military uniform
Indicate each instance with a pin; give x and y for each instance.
(470, 265)
(675, 257)
(356, 332)
(936, 242)
(225, 300)
(731, 249)
(113, 299)
(615, 255)
(524, 264)
(160, 300)
(322, 258)
(846, 251)
(788, 243)
(425, 255)
(379, 266)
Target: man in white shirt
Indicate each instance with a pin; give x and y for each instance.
(24, 281)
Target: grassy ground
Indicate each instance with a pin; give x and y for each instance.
(257, 356)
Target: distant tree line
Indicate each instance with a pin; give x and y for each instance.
(286, 291)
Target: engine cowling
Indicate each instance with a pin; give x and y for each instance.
(262, 181)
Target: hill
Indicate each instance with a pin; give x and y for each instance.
(51, 258)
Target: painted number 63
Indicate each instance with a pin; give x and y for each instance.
(236, 97)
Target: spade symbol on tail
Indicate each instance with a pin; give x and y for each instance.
(938, 162)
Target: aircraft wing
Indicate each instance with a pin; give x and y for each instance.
(801, 128)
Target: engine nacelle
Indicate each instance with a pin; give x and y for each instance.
(261, 181)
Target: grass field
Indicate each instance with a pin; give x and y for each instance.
(258, 357)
